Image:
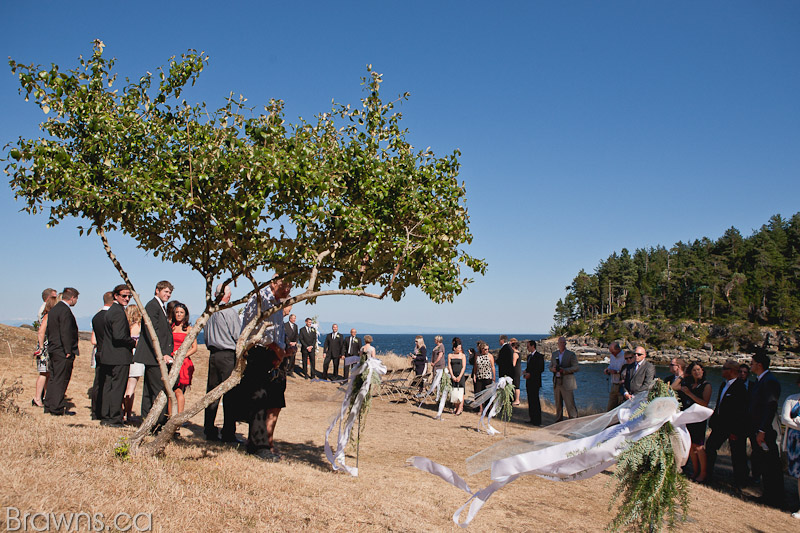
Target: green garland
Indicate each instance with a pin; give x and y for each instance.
(505, 397)
(358, 382)
(648, 480)
(445, 385)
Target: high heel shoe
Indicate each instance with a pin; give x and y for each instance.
(34, 404)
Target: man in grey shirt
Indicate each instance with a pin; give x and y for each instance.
(222, 332)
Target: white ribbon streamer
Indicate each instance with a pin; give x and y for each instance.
(437, 378)
(582, 457)
(370, 366)
(491, 407)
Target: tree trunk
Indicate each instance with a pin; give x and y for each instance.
(157, 445)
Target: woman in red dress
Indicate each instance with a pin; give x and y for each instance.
(180, 327)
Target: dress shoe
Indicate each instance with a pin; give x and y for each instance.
(213, 437)
(112, 424)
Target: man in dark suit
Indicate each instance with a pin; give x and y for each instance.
(62, 338)
(728, 423)
(98, 331)
(332, 349)
(505, 358)
(291, 330)
(352, 347)
(533, 382)
(117, 358)
(764, 396)
(563, 365)
(308, 347)
(145, 351)
(637, 376)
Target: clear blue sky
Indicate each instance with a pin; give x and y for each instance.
(585, 127)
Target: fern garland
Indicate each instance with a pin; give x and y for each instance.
(648, 479)
(505, 397)
(445, 385)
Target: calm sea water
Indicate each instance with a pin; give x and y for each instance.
(593, 384)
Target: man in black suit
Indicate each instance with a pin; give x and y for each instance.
(308, 347)
(332, 349)
(145, 351)
(505, 358)
(764, 396)
(533, 382)
(62, 338)
(351, 347)
(638, 375)
(291, 330)
(98, 331)
(117, 358)
(728, 423)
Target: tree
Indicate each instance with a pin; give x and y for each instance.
(344, 202)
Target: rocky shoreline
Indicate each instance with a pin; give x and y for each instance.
(591, 349)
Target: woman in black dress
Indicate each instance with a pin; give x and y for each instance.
(457, 366)
(695, 390)
(517, 376)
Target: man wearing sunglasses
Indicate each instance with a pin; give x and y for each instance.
(637, 375)
(117, 357)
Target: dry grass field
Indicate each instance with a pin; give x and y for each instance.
(67, 464)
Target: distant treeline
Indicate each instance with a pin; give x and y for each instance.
(754, 278)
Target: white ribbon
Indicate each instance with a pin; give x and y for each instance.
(580, 458)
(338, 460)
(437, 378)
(490, 410)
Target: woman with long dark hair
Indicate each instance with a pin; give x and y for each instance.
(696, 390)
(457, 366)
(180, 327)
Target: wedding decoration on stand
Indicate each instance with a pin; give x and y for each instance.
(648, 477)
(443, 394)
(497, 397)
(356, 405)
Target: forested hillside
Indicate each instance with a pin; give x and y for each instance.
(731, 279)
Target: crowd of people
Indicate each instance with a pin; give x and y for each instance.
(746, 410)
(124, 351)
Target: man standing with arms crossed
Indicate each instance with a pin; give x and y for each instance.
(145, 351)
(221, 333)
(62, 338)
(563, 365)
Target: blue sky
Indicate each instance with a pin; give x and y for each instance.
(584, 127)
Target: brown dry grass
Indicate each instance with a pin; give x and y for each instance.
(67, 464)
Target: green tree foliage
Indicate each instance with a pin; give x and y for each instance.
(339, 205)
(732, 278)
